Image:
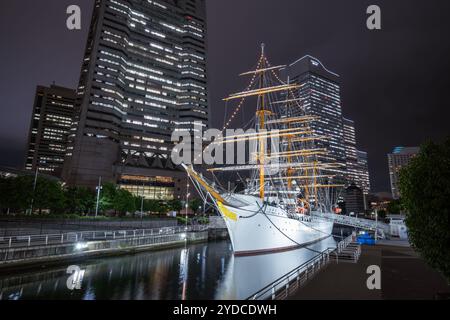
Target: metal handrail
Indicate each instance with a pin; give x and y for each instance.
(285, 280)
(354, 222)
(20, 241)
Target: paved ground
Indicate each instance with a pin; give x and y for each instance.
(404, 275)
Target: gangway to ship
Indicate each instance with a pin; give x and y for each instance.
(381, 228)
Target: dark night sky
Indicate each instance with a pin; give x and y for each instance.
(394, 81)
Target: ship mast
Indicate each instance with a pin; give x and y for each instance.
(295, 129)
(289, 171)
(261, 114)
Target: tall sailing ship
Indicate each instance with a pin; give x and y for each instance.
(289, 177)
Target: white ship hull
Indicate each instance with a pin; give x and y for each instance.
(254, 231)
(256, 227)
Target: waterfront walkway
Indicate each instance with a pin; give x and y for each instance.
(45, 249)
(404, 275)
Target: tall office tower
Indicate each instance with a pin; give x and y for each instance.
(354, 200)
(351, 152)
(320, 96)
(50, 125)
(363, 180)
(143, 77)
(357, 163)
(399, 158)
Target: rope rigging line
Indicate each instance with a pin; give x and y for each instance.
(238, 106)
(297, 243)
(281, 81)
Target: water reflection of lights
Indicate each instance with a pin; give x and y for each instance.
(199, 271)
(184, 269)
(248, 274)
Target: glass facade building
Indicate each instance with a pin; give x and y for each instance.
(50, 125)
(363, 180)
(357, 162)
(320, 96)
(143, 77)
(399, 158)
(351, 152)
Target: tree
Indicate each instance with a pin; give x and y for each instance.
(48, 195)
(195, 204)
(151, 205)
(7, 202)
(425, 188)
(20, 193)
(381, 214)
(79, 200)
(107, 195)
(162, 208)
(124, 201)
(394, 207)
(175, 205)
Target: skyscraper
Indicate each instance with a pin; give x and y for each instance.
(357, 162)
(354, 200)
(363, 180)
(399, 158)
(320, 96)
(143, 77)
(351, 152)
(50, 125)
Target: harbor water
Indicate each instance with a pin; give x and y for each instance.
(199, 271)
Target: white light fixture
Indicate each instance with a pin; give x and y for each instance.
(81, 246)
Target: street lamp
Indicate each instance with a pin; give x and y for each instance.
(376, 224)
(142, 201)
(34, 189)
(98, 188)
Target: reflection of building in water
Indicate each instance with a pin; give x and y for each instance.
(204, 271)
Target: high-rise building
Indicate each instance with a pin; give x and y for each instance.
(354, 200)
(351, 152)
(363, 179)
(50, 125)
(399, 158)
(143, 77)
(320, 96)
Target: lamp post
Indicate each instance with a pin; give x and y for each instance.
(376, 224)
(99, 188)
(142, 201)
(34, 190)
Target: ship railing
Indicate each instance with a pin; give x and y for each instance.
(20, 241)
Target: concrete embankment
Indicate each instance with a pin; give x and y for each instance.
(218, 234)
(26, 257)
